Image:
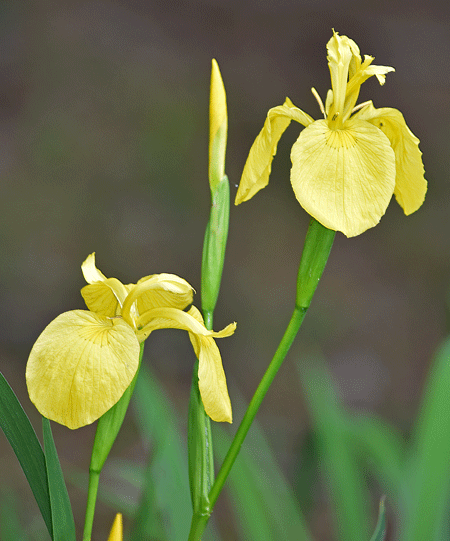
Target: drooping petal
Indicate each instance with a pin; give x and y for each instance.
(116, 532)
(172, 318)
(80, 366)
(259, 162)
(343, 178)
(211, 376)
(102, 295)
(211, 379)
(212, 382)
(410, 184)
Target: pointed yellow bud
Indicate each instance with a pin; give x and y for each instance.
(116, 533)
(218, 126)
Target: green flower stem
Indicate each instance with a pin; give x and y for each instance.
(108, 427)
(318, 243)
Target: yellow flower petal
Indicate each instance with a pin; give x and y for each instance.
(161, 290)
(211, 376)
(259, 162)
(117, 529)
(410, 184)
(80, 366)
(343, 178)
(212, 382)
(90, 272)
(103, 295)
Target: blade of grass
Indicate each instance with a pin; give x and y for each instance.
(380, 447)
(429, 470)
(22, 438)
(265, 502)
(380, 528)
(62, 516)
(348, 492)
(168, 471)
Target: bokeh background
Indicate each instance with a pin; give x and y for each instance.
(103, 147)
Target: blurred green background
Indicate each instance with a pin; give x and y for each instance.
(103, 147)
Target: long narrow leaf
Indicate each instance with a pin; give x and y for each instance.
(380, 529)
(380, 447)
(429, 468)
(62, 516)
(22, 437)
(168, 472)
(262, 499)
(348, 493)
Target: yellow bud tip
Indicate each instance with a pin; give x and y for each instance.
(116, 533)
(218, 101)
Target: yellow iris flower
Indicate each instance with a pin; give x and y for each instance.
(84, 360)
(346, 166)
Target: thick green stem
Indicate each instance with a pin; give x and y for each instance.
(318, 243)
(108, 427)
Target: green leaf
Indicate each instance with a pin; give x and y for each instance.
(380, 447)
(263, 500)
(428, 474)
(10, 528)
(348, 491)
(380, 528)
(167, 475)
(62, 516)
(22, 437)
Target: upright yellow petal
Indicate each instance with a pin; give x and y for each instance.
(80, 366)
(102, 295)
(116, 530)
(343, 178)
(259, 162)
(410, 183)
(161, 290)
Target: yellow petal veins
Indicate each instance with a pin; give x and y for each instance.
(343, 178)
(80, 366)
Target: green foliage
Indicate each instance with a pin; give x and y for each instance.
(22, 437)
(427, 476)
(62, 516)
(348, 492)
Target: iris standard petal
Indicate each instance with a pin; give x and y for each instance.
(259, 162)
(343, 178)
(90, 272)
(80, 366)
(410, 183)
(161, 290)
(105, 297)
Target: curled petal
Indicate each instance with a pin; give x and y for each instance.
(259, 162)
(343, 178)
(172, 318)
(102, 295)
(212, 381)
(161, 290)
(410, 184)
(80, 366)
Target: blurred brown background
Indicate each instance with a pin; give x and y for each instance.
(103, 147)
